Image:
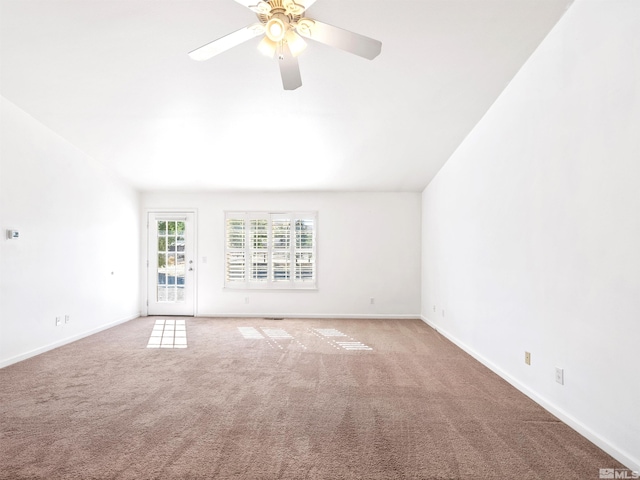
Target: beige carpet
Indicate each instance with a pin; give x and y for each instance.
(289, 399)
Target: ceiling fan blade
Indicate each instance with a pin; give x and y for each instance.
(225, 43)
(297, 7)
(343, 39)
(289, 69)
(256, 6)
(248, 3)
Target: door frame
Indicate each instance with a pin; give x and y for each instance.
(147, 278)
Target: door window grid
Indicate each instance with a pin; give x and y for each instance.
(171, 261)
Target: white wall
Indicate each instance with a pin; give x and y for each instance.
(368, 245)
(77, 225)
(531, 231)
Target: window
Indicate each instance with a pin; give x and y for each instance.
(270, 250)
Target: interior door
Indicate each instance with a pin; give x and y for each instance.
(171, 266)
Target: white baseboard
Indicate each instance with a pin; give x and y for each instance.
(619, 454)
(65, 341)
(307, 315)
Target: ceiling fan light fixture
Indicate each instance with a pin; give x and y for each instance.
(261, 8)
(267, 47)
(305, 26)
(292, 8)
(295, 42)
(275, 29)
(282, 24)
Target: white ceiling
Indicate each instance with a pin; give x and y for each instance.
(113, 78)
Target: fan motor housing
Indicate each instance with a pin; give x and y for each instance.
(278, 10)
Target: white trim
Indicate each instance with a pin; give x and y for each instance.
(376, 316)
(624, 457)
(268, 288)
(66, 341)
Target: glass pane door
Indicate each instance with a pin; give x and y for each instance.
(171, 266)
(171, 261)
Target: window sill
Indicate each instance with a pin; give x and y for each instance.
(270, 288)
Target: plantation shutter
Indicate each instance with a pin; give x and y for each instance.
(259, 249)
(281, 249)
(270, 250)
(235, 250)
(305, 256)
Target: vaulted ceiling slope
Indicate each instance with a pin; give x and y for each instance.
(113, 78)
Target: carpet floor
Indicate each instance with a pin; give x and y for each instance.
(277, 399)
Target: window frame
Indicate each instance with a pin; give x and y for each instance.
(292, 273)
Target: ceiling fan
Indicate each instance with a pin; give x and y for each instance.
(283, 26)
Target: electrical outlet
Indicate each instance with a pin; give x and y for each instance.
(434, 308)
(246, 299)
(67, 319)
(560, 375)
(372, 301)
(527, 358)
(443, 313)
(58, 321)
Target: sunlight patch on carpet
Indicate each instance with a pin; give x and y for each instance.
(276, 337)
(354, 346)
(250, 333)
(168, 334)
(277, 333)
(279, 338)
(330, 334)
